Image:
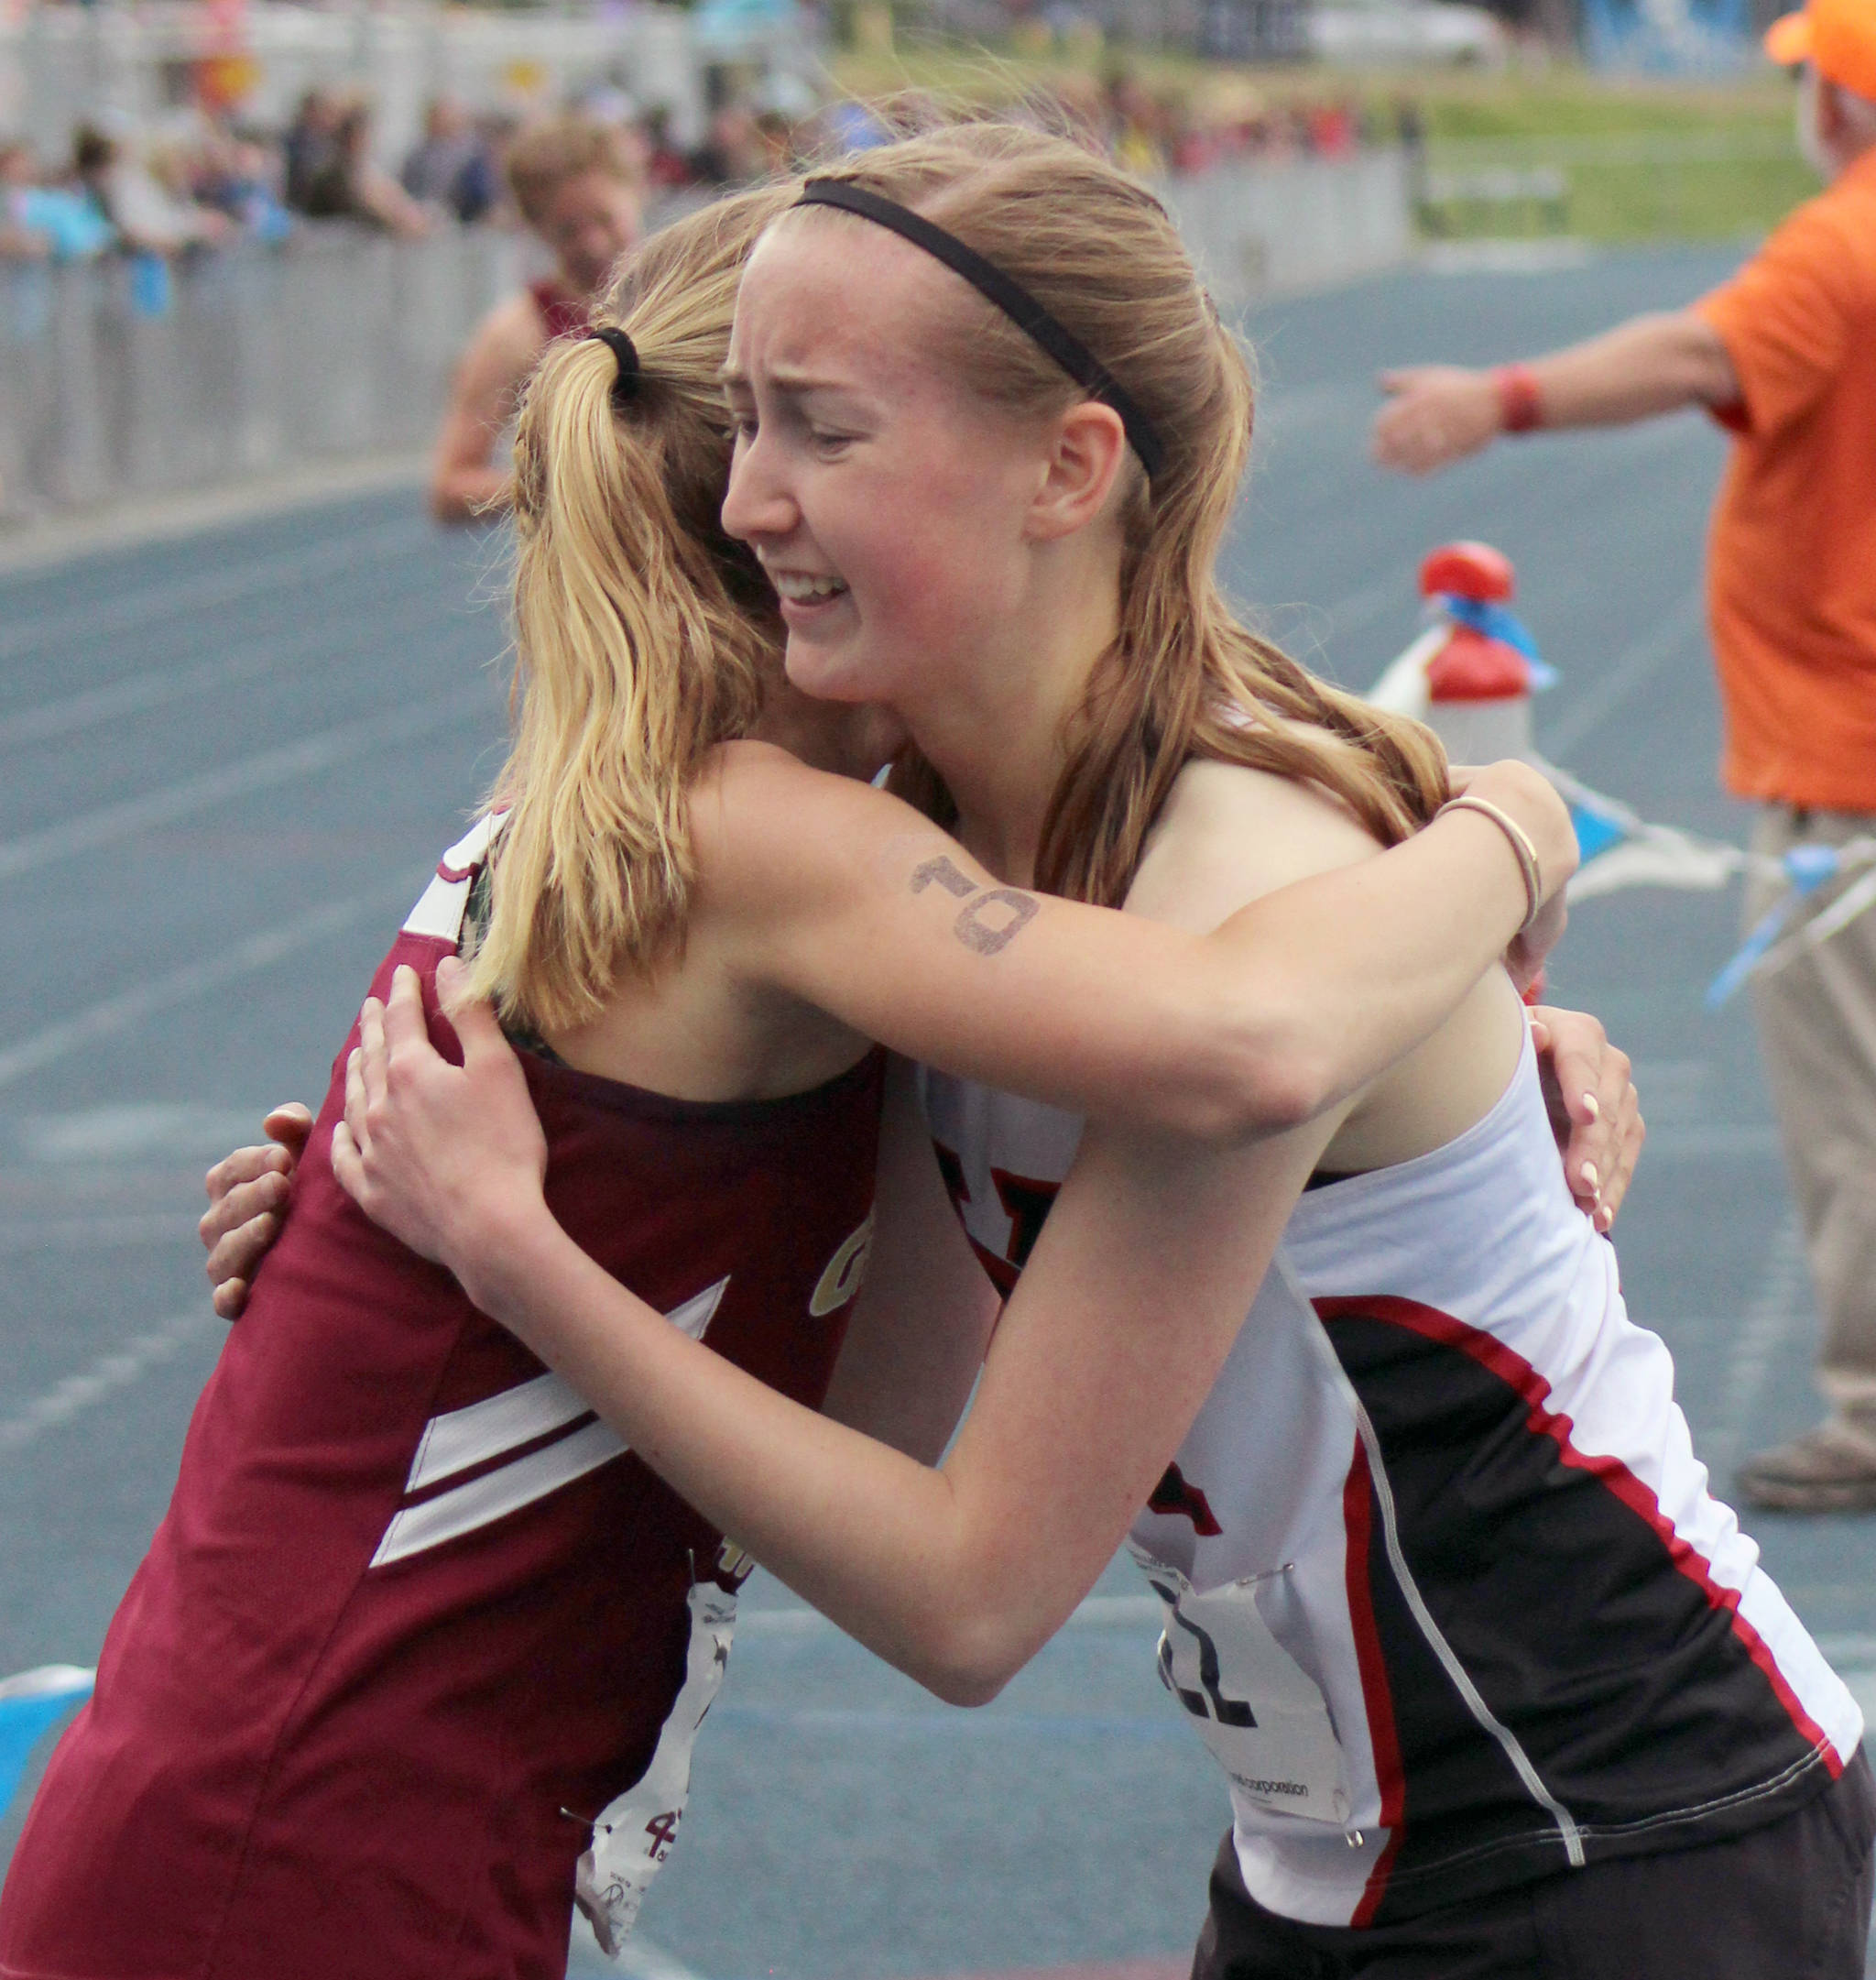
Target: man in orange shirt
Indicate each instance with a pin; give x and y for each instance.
(1784, 355)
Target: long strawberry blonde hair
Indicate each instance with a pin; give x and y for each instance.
(1185, 678)
(643, 635)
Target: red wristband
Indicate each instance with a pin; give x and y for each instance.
(1521, 411)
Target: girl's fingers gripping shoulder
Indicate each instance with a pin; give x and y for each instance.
(348, 1165)
(405, 1024)
(1632, 1132)
(289, 1125)
(239, 1186)
(1592, 1082)
(357, 1105)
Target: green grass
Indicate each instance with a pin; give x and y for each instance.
(1643, 160)
(1667, 200)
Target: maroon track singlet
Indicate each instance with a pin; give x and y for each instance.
(415, 1619)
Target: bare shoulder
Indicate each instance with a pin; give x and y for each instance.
(1229, 834)
(505, 346)
(763, 821)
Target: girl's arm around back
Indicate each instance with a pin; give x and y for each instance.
(957, 1574)
(850, 900)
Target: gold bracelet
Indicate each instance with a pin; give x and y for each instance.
(1517, 838)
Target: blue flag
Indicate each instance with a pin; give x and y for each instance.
(1808, 867)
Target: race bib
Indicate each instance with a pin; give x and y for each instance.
(1257, 1710)
(634, 1832)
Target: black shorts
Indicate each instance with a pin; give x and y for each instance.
(1790, 1901)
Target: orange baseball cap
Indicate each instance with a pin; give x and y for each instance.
(1838, 37)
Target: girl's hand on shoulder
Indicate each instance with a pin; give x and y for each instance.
(248, 1192)
(1595, 1111)
(444, 1157)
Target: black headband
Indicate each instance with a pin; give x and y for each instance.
(625, 388)
(1009, 296)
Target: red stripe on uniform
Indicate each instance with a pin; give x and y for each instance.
(1377, 1699)
(1512, 1369)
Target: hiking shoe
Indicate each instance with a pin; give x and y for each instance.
(1829, 1470)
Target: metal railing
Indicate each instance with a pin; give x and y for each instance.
(341, 342)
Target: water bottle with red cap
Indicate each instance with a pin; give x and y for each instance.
(1479, 681)
(1470, 675)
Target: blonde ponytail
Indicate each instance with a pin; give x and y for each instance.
(642, 636)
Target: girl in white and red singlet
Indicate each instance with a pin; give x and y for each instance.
(1498, 1688)
(421, 1645)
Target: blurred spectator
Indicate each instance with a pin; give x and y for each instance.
(18, 236)
(310, 145)
(580, 187)
(150, 217)
(666, 166)
(239, 177)
(1135, 122)
(207, 181)
(1332, 130)
(36, 219)
(734, 153)
(451, 166)
(775, 132)
(608, 101)
(853, 126)
(1410, 133)
(350, 186)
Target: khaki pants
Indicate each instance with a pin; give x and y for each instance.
(1816, 1016)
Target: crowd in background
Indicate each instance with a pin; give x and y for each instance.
(203, 180)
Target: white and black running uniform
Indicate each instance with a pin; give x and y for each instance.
(1446, 1594)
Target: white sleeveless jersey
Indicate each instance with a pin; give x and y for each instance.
(1446, 1595)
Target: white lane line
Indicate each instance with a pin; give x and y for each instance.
(112, 823)
(193, 593)
(120, 1369)
(95, 1233)
(142, 1132)
(1633, 670)
(158, 685)
(130, 1007)
(1762, 1337)
(142, 691)
(1507, 257)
